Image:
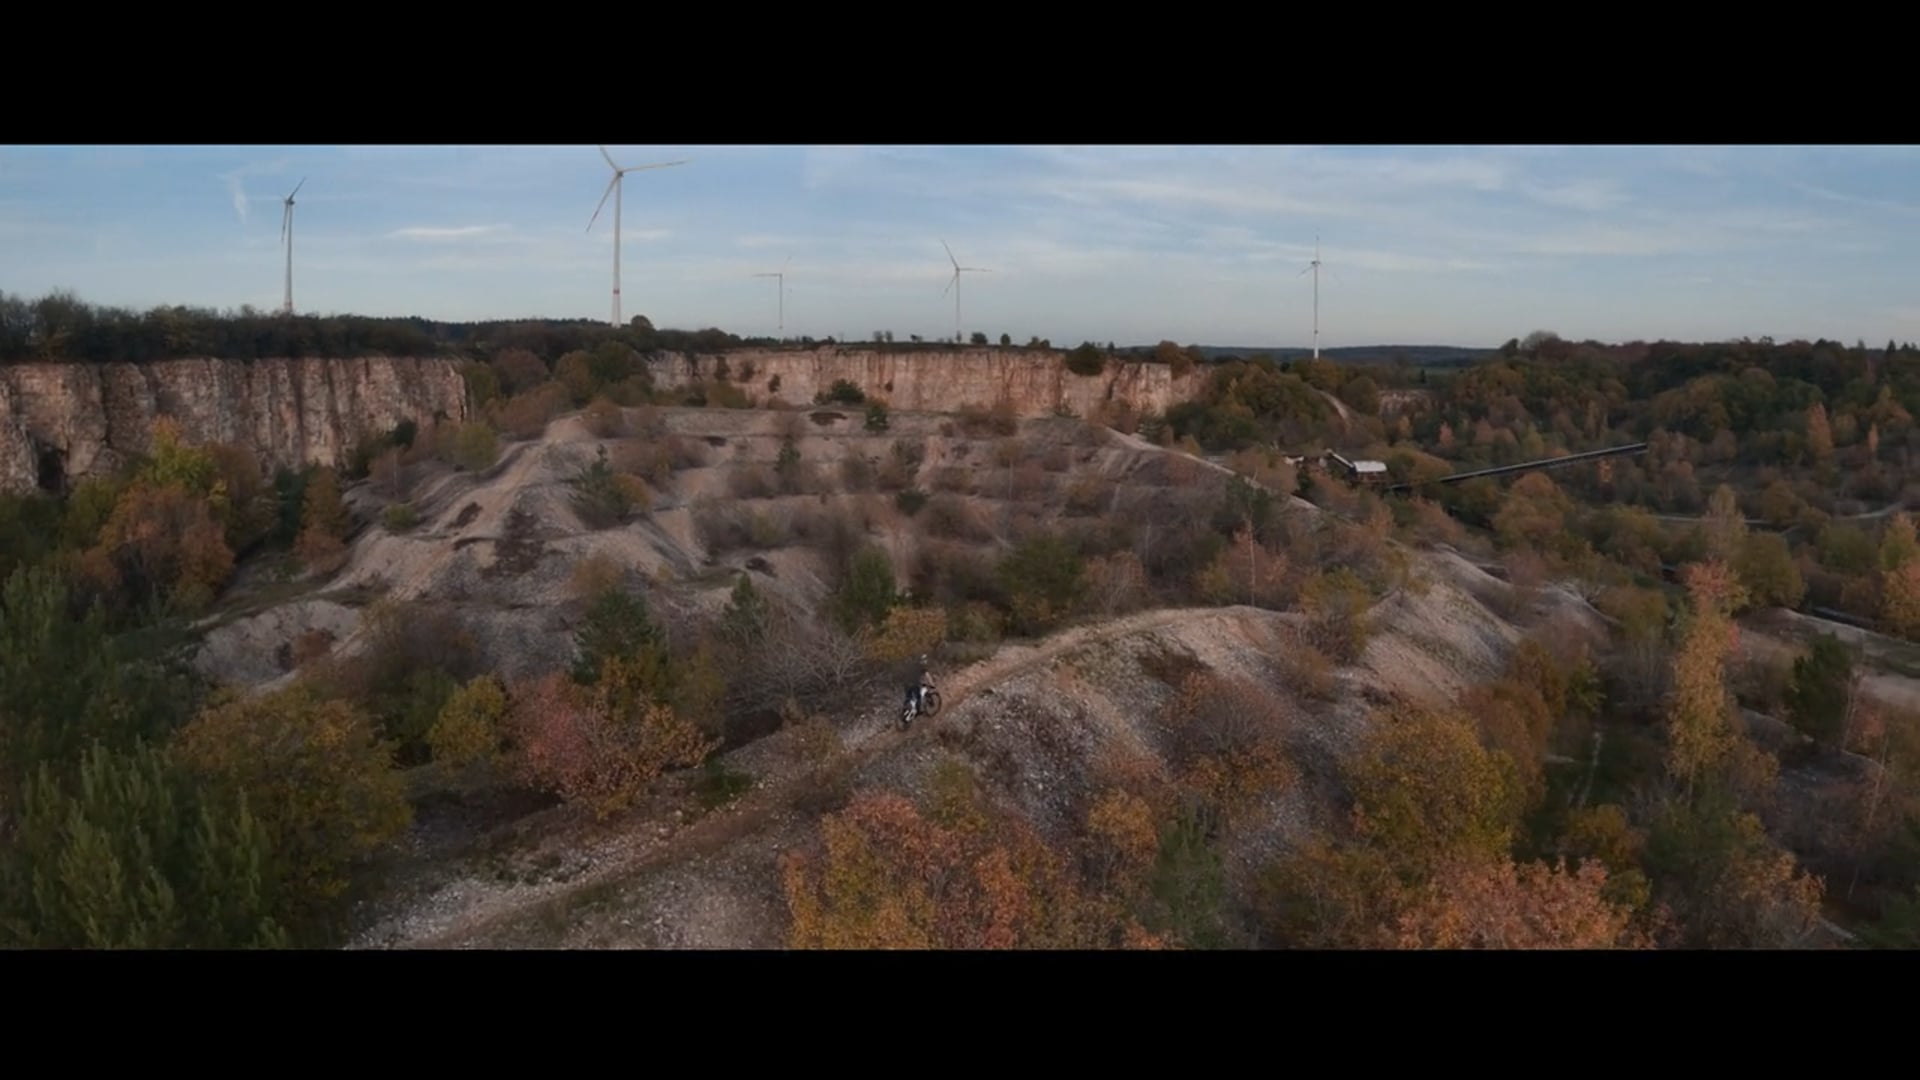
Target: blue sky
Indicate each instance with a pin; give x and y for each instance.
(1437, 245)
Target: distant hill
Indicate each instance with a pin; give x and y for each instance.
(1413, 355)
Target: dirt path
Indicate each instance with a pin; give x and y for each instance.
(1346, 414)
(642, 848)
(1758, 523)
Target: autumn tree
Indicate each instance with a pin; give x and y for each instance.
(1117, 583)
(1534, 514)
(1900, 599)
(1700, 732)
(1728, 885)
(163, 540)
(1425, 789)
(1246, 572)
(1899, 558)
(1605, 834)
(1819, 434)
(601, 745)
(470, 725)
(1324, 894)
(1123, 841)
(316, 776)
(1228, 739)
(324, 522)
(1725, 528)
(1336, 603)
(1898, 543)
(1516, 720)
(1497, 904)
(1767, 572)
(890, 876)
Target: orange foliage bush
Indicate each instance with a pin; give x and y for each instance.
(1246, 572)
(167, 538)
(600, 745)
(1229, 741)
(1495, 904)
(1117, 583)
(890, 878)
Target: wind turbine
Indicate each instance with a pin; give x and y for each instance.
(613, 188)
(286, 234)
(954, 284)
(781, 274)
(1315, 267)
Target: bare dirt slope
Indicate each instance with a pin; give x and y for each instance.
(1781, 635)
(1037, 720)
(500, 546)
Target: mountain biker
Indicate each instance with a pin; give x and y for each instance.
(920, 681)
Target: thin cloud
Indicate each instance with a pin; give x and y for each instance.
(237, 189)
(437, 233)
(1593, 195)
(1889, 205)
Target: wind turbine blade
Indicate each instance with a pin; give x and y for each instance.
(1303, 270)
(609, 157)
(956, 262)
(950, 283)
(603, 201)
(297, 187)
(660, 165)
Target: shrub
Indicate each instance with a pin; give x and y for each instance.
(1086, 360)
(1337, 603)
(908, 632)
(601, 745)
(468, 728)
(1045, 578)
(399, 518)
(604, 498)
(314, 772)
(474, 447)
(605, 419)
(842, 392)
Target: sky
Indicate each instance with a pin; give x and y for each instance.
(1466, 246)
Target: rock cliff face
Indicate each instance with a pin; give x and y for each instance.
(1035, 383)
(60, 423)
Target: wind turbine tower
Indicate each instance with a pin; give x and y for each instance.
(781, 278)
(954, 284)
(1315, 267)
(613, 188)
(286, 234)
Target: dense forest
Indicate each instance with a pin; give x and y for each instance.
(142, 806)
(1814, 441)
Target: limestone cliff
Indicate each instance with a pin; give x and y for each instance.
(1034, 382)
(71, 421)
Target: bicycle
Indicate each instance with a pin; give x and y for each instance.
(927, 704)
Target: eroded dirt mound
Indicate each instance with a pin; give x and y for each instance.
(1037, 721)
(501, 547)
